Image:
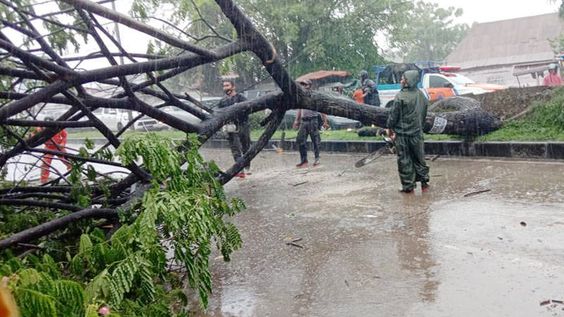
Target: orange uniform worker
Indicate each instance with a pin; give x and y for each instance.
(358, 96)
(552, 79)
(57, 143)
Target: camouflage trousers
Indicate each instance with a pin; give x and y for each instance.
(311, 128)
(240, 142)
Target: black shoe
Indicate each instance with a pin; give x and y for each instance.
(302, 164)
(425, 186)
(406, 191)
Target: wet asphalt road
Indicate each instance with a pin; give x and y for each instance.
(366, 250)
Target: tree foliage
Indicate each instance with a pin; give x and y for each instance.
(308, 36)
(431, 34)
(161, 242)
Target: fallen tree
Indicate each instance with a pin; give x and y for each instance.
(36, 73)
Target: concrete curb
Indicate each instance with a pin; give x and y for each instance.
(535, 150)
(527, 150)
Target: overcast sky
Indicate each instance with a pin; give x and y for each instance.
(495, 10)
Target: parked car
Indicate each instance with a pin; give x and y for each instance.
(436, 82)
(114, 119)
(52, 111)
(461, 84)
(149, 124)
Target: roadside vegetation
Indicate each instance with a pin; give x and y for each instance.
(545, 122)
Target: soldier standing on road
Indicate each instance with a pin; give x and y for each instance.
(308, 123)
(369, 89)
(405, 125)
(239, 131)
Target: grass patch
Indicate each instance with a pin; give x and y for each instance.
(335, 135)
(344, 135)
(544, 123)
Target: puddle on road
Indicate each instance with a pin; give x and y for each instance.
(495, 258)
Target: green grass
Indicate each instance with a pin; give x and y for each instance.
(544, 123)
(339, 135)
(344, 135)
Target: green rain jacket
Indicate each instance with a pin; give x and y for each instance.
(409, 110)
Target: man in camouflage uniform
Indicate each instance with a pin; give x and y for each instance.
(405, 124)
(240, 138)
(308, 123)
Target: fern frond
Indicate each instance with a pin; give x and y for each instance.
(99, 286)
(147, 287)
(70, 297)
(35, 303)
(122, 278)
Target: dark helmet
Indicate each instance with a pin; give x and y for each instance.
(363, 74)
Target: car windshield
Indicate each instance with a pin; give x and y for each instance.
(461, 79)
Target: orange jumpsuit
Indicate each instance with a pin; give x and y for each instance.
(56, 143)
(358, 96)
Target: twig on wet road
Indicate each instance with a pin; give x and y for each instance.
(551, 301)
(294, 245)
(300, 183)
(477, 192)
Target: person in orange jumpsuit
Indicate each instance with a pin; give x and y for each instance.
(57, 143)
(358, 96)
(552, 79)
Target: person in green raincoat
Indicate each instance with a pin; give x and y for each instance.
(405, 126)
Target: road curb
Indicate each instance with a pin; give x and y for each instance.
(532, 150)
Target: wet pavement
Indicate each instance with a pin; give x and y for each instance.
(363, 249)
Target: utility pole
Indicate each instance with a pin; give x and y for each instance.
(118, 38)
(116, 30)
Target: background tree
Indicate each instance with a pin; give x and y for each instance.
(431, 33)
(308, 36)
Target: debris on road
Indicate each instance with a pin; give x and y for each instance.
(551, 301)
(477, 192)
(300, 183)
(293, 243)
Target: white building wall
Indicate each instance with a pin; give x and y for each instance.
(501, 76)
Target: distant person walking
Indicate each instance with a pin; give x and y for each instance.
(552, 79)
(369, 90)
(57, 143)
(405, 125)
(238, 131)
(307, 121)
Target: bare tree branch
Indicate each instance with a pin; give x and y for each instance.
(127, 21)
(54, 225)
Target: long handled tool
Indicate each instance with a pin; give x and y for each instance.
(390, 147)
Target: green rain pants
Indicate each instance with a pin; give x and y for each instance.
(411, 161)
